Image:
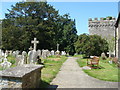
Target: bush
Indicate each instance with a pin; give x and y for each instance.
(91, 45)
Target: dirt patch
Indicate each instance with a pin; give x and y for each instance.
(54, 59)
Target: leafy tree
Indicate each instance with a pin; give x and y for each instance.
(91, 45)
(27, 20)
(67, 34)
(111, 45)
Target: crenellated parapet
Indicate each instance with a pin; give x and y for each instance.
(102, 22)
(102, 19)
(102, 26)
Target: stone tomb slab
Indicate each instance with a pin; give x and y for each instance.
(25, 76)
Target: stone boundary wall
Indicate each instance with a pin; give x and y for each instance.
(103, 28)
(25, 76)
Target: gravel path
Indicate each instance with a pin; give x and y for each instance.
(72, 76)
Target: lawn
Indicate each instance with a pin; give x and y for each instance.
(108, 72)
(52, 67)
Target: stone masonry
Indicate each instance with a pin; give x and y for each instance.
(117, 26)
(25, 76)
(104, 28)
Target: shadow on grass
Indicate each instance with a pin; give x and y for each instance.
(96, 67)
(47, 86)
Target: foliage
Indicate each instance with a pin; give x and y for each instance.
(111, 44)
(27, 20)
(91, 45)
(108, 72)
(110, 18)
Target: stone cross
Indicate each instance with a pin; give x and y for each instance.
(57, 46)
(35, 43)
(30, 48)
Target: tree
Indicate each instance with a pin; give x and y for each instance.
(91, 45)
(27, 20)
(67, 34)
(111, 44)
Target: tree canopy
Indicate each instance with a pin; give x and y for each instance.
(27, 20)
(91, 45)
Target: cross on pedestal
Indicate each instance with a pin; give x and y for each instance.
(35, 43)
(57, 47)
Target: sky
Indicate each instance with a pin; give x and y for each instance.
(80, 11)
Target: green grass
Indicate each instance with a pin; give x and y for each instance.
(11, 59)
(51, 69)
(108, 72)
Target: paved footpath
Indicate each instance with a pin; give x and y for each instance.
(72, 76)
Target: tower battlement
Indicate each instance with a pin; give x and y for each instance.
(102, 26)
(102, 19)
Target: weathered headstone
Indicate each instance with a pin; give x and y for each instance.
(24, 54)
(33, 57)
(7, 52)
(14, 53)
(39, 53)
(29, 54)
(52, 52)
(44, 53)
(103, 56)
(57, 52)
(63, 53)
(5, 64)
(19, 60)
(33, 54)
(48, 53)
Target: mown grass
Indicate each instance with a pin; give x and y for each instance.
(108, 72)
(52, 67)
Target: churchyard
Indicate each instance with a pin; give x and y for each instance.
(41, 49)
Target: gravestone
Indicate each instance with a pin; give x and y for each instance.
(7, 52)
(57, 52)
(52, 52)
(14, 53)
(63, 53)
(24, 54)
(29, 54)
(5, 64)
(39, 53)
(19, 60)
(103, 56)
(48, 53)
(33, 54)
(17, 52)
(33, 57)
(44, 53)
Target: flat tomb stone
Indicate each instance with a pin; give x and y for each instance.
(25, 76)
